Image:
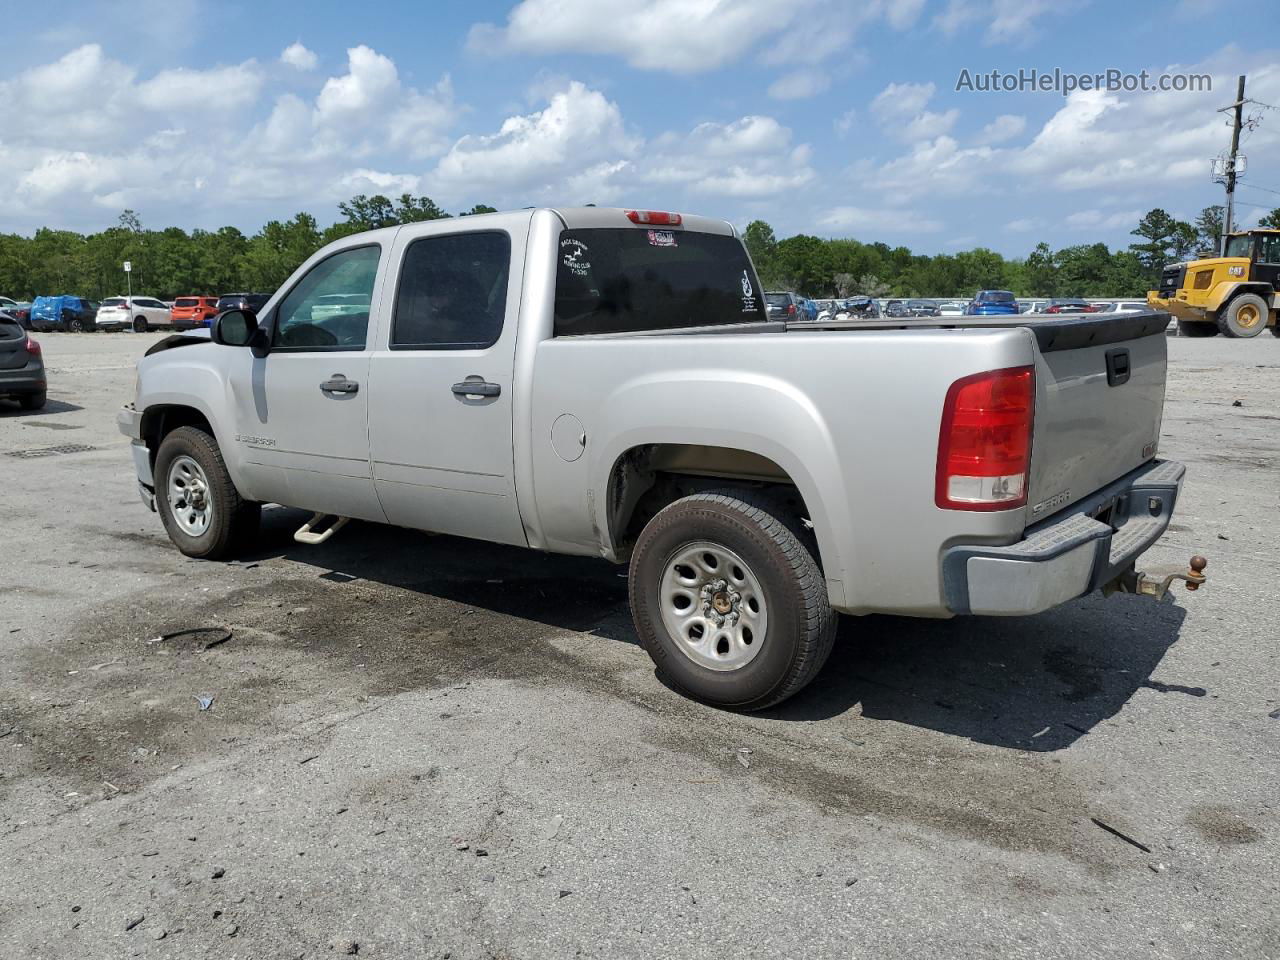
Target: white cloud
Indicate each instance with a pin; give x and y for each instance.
(1024, 224)
(537, 151)
(875, 221)
(371, 79)
(1008, 21)
(218, 88)
(1004, 127)
(299, 57)
(957, 15)
(800, 84)
(899, 101)
(1106, 221)
(844, 123)
(750, 157)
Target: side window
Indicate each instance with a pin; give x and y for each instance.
(453, 292)
(328, 309)
(1271, 248)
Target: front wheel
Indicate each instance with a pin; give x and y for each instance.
(1245, 316)
(75, 325)
(729, 602)
(139, 324)
(201, 510)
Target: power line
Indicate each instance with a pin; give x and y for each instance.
(1254, 186)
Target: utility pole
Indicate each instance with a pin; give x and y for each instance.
(1238, 110)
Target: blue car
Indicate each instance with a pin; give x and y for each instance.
(808, 310)
(992, 303)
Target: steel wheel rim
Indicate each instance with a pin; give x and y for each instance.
(1248, 315)
(190, 502)
(713, 606)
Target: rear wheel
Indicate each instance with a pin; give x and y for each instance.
(201, 510)
(75, 325)
(729, 601)
(1196, 328)
(1245, 316)
(34, 401)
(139, 324)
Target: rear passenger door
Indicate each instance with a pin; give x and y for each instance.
(1267, 268)
(440, 397)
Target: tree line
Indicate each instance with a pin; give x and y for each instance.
(823, 268)
(173, 262)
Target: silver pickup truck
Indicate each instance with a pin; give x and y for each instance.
(606, 382)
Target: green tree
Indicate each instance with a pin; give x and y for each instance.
(1165, 238)
(478, 208)
(1271, 220)
(763, 247)
(1042, 271)
(1209, 227)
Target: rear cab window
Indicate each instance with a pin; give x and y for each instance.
(619, 280)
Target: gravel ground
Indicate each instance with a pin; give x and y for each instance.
(426, 747)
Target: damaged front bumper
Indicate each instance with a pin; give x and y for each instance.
(1094, 547)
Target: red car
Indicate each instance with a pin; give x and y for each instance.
(191, 312)
(1070, 305)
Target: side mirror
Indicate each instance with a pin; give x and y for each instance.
(239, 328)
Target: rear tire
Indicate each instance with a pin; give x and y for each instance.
(759, 557)
(1245, 316)
(34, 401)
(75, 325)
(139, 324)
(201, 509)
(1196, 328)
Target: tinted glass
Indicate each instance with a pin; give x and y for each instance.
(996, 296)
(612, 280)
(1271, 248)
(777, 299)
(11, 330)
(453, 292)
(113, 302)
(307, 320)
(226, 303)
(1240, 246)
(186, 302)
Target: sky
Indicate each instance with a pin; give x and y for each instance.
(828, 117)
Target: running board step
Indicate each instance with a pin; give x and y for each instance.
(308, 534)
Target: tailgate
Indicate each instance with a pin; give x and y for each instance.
(13, 345)
(1099, 403)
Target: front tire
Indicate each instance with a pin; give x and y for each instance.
(75, 325)
(201, 510)
(1244, 317)
(1196, 328)
(729, 602)
(139, 324)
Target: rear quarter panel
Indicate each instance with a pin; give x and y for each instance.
(852, 417)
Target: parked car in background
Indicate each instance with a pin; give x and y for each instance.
(783, 305)
(951, 308)
(7, 304)
(133, 313)
(858, 308)
(1070, 305)
(896, 308)
(826, 309)
(22, 375)
(73, 314)
(922, 308)
(1126, 306)
(20, 311)
(191, 312)
(808, 310)
(242, 301)
(992, 303)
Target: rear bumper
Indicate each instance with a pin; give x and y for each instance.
(28, 379)
(1067, 556)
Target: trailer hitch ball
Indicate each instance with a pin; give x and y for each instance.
(1196, 573)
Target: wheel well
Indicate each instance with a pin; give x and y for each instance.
(159, 422)
(649, 477)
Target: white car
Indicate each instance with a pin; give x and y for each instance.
(950, 308)
(139, 314)
(1126, 306)
(7, 304)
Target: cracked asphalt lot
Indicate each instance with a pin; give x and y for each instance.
(426, 747)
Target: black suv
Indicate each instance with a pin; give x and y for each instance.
(784, 306)
(242, 301)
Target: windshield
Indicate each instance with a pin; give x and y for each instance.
(1241, 246)
(612, 280)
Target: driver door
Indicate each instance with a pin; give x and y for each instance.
(302, 410)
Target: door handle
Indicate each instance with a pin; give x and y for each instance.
(339, 384)
(477, 388)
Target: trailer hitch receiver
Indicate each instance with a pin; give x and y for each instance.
(1154, 585)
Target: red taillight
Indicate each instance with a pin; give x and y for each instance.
(791, 310)
(32, 346)
(984, 447)
(655, 218)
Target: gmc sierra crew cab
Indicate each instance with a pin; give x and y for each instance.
(607, 382)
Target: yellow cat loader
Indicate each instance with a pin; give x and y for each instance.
(1238, 294)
